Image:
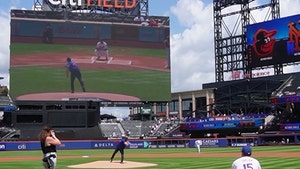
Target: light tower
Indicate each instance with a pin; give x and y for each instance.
(230, 40)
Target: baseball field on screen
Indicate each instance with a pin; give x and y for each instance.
(40, 68)
(270, 157)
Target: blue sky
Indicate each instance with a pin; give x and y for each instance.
(192, 38)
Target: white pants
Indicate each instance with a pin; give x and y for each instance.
(100, 53)
(52, 159)
(198, 148)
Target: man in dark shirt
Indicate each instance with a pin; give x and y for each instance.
(120, 147)
(73, 68)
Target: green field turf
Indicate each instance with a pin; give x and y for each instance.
(196, 162)
(145, 84)
(29, 48)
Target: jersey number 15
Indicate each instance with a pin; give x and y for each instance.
(248, 166)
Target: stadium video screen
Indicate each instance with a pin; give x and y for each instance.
(119, 58)
(274, 42)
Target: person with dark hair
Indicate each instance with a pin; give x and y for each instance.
(73, 68)
(120, 147)
(246, 161)
(48, 142)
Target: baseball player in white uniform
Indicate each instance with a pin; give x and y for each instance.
(101, 50)
(246, 161)
(198, 144)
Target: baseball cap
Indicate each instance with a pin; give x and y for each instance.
(246, 150)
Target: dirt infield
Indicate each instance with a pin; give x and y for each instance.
(130, 164)
(57, 96)
(108, 164)
(117, 62)
(105, 157)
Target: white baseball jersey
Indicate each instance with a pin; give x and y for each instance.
(198, 142)
(101, 45)
(246, 162)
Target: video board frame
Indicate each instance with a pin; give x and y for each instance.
(150, 82)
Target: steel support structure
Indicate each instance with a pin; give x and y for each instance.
(230, 40)
(275, 11)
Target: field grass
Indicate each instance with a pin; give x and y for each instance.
(156, 83)
(32, 48)
(162, 162)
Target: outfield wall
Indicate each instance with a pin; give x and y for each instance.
(111, 144)
(146, 143)
(83, 33)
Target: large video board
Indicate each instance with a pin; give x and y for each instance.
(134, 64)
(274, 42)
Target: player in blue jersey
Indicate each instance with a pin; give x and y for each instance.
(73, 68)
(120, 147)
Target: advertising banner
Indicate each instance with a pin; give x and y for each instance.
(168, 146)
(19, 146)
(35, 145)
(290, 127)
(112, 144)
(210, 143)
(220, 124)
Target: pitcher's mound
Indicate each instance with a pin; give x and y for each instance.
(108, 164)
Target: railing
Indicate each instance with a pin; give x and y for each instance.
(10, 135)
(279, 90)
